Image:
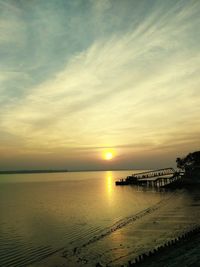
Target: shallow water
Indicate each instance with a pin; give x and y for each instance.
(45, 213)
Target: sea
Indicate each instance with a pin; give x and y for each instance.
(85, 218)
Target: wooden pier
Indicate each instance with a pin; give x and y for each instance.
(155, 178)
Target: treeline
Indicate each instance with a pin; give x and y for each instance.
(31, 171)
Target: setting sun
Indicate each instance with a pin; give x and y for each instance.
(108, 155)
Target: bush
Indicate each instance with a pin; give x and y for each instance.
(190, 164)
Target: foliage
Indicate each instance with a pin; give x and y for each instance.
(190, 162)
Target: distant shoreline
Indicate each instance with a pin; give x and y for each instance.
(57, 171)
(31, 171)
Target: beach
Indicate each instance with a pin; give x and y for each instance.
(183, 251)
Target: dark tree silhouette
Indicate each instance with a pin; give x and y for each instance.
(190, 164)
(192, 160)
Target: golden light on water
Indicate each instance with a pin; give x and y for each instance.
(109, 185)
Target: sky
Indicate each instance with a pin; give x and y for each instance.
(79, 78)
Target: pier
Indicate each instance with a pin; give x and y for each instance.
(154, 178)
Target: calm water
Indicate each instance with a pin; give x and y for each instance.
(43, 213)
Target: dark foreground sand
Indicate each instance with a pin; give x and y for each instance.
(122, 243)
(183, 254)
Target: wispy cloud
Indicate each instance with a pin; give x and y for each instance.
(136, 88)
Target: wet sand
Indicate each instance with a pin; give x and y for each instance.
(135, 235)
(184, 253)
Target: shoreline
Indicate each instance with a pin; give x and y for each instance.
(32, 171)
(66, 170)
(187, 242)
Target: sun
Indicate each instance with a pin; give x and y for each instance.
(108, 155)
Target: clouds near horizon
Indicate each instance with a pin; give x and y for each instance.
(89, 75)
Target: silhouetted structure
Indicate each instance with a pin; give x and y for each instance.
(188, 173)
(155, 178)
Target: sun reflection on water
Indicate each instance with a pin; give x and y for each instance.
(109, 185)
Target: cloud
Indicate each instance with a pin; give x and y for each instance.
(137, 88)
(12, 26)
(101, 6)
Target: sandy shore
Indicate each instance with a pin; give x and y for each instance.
(139, 234)
(184, 253)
